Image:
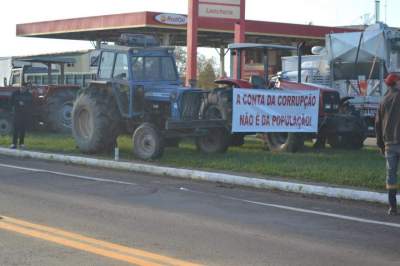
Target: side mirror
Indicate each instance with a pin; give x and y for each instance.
(5, 82)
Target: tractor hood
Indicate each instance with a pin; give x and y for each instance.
(160, 92)
(167, 92)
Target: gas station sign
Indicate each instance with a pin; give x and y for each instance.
(220, 9)
(171, 19)
(215, 10)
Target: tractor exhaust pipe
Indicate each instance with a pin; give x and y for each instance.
(300, 47)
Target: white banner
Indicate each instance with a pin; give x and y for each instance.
(257, 110)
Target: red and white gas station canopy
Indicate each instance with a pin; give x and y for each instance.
(212, 32)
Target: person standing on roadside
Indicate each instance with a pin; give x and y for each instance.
(21, 103)
(387, 126)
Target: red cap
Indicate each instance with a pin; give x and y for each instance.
(391, 79)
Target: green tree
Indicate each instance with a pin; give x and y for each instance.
(181, 60)
(207, 74)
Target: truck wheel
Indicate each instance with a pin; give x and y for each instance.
(147, 142)
(59, 111)
(6, 124)
(95, 122)
(355, 139)
(284, 142)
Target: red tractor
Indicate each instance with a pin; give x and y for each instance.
(52, 104)
(338, 124)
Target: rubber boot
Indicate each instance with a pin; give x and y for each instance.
(392, 202)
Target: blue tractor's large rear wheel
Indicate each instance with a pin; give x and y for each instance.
(95, 121)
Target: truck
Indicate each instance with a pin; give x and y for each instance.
(52, 103)
(336, 126)
(138, 91)
(353, 63)
(5, 69)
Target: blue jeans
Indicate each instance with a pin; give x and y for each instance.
(392, 155)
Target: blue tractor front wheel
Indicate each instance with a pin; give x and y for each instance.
(147, 142)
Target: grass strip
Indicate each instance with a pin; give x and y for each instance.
(363, 168)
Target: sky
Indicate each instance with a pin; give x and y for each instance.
(318, 12)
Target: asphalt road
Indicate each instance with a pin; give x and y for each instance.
(56, 214)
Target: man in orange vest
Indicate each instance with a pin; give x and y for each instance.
(387, 126)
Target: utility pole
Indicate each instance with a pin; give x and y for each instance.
(385, 11)
(192, 29)
(377, 11)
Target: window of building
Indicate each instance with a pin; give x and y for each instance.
(45, 80)
(79, 79)
(69, 79)
(38, 80)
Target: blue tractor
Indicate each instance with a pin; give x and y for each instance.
(138, 90)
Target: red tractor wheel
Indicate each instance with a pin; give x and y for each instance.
(284, 142)
(6, 124)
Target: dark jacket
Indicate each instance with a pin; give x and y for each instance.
(21, 103)
(387, 120)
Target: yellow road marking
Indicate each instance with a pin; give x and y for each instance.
(99, 247)
(96, 242)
